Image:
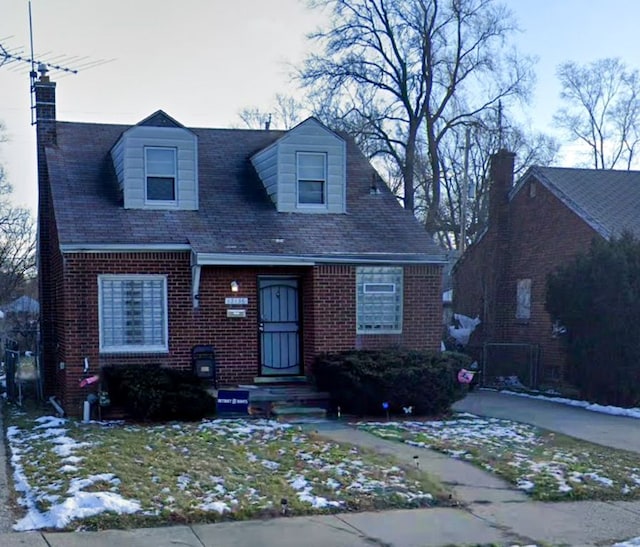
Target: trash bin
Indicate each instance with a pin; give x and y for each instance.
(203, 362)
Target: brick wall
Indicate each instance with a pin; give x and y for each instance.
(541, 234)
(328, 315)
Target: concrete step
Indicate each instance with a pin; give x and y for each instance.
(293, 414)
(259, 380)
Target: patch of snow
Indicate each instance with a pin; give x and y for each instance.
(612, 410)
(218, 506)
(633, 542)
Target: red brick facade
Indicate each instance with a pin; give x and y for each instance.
(534, 235)
(328, 311)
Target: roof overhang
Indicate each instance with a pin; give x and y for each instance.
(238, 259)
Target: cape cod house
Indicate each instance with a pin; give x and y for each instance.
(542, 221)
(270, 246)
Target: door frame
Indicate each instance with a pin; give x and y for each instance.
(280, 277)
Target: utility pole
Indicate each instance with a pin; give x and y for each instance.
(465, 191)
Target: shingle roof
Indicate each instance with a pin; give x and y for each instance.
(235, 216)
(608, 200)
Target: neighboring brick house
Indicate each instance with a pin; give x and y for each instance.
(548, 217)
(271, 246)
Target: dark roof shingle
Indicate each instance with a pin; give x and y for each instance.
(235, 214)
(608, 200)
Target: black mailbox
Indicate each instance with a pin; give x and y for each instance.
(203, 361)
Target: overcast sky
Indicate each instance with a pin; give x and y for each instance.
(203, 60)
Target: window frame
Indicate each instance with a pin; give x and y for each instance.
(299, 179)
(523, 299)
(149, 174)
(376, 277)
(134, 348)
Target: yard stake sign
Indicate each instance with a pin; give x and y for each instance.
(232, 401)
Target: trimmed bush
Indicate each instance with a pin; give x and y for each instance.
(359, 381)
(151, 392)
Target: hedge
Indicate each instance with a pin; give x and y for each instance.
(360, 381)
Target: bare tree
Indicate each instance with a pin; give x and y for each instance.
(465, 194)
(407, 72)
(17, 241)
(602, 110)
(285, 113)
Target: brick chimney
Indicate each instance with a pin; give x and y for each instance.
(501, 173)
(45, 116)
(45, 105)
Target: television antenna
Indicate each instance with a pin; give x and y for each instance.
(15, 58)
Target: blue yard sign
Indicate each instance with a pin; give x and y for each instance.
(232, 401)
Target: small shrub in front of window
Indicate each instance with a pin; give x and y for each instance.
(151, 392)
(359, 381)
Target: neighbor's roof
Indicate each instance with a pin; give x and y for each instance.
(236, 216)
(607, 200)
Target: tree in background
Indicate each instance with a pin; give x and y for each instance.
(402, 76)
(602, 110)
(17, 242)
(482, 138)
(285, 113)
(596, 298)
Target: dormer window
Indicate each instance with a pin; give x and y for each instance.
(312, 178)
(161, 174)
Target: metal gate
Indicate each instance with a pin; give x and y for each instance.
(279, 327)
(510, 365)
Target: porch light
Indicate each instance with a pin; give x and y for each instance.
(235, 286)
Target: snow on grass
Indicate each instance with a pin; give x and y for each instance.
(546, 465)
(78, 503)
(73, 475)
(602, 409)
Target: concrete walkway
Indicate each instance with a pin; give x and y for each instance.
(614, 431)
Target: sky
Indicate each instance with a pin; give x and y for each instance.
(202, 61)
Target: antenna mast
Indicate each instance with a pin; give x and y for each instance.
(42, 65)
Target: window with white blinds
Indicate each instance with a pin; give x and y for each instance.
(133, 313)
(379, 300)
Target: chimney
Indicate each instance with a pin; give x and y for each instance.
(501, 174)
(45, 105)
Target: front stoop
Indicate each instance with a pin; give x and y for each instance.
(287, 402)
(297, 414)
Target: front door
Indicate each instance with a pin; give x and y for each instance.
(279, 327)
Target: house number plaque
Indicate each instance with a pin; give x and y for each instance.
(238, 301)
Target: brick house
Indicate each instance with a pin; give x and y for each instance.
(271, 246)
(545, 219)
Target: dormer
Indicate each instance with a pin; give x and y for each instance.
(305, 170)
(156, 163)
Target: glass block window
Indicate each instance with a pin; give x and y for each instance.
(312, 178)
(379, 300)
(133, 313)
(161, 172)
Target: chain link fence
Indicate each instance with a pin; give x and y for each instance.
(510, 365)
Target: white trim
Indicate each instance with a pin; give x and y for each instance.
(224, 259)
(123, 247)
(134, 348)
(231, 259)
(195, 285)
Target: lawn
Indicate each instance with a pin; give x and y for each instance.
(70, 475)
(548, 466)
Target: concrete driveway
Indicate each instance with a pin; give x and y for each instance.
(604, 429)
